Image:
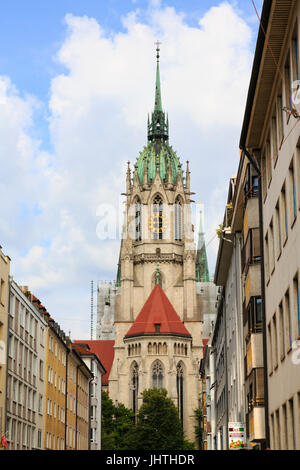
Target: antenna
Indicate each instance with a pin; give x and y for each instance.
(92, 309)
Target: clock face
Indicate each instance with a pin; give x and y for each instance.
(158, 223)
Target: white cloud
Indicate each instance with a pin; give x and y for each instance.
(98, 111)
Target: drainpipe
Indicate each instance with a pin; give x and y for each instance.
(262, 272)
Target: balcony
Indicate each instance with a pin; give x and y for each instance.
(255, 421)
(251, 250)
(255, 388)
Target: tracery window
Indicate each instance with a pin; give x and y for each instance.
(134, 386)
(138, 220)
(179, 382)
(157, 375)
(178, 219)
(157, 218)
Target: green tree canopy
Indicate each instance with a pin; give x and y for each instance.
(158, 426)
(117, 421)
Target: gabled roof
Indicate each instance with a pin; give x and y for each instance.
(104, 349)
(83, 350)
(157, 310)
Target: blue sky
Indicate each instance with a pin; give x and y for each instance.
(32, 31)
(76, 84)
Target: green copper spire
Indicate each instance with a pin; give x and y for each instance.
(158, 127)
(158, 156)
(202, 273)
(157, 104)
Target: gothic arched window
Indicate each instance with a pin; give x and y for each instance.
(157, 218)
(138, 220)
(134, 386)
(179, 383)
(157, 375)
(178, 219)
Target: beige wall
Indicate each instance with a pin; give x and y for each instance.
(283, 260)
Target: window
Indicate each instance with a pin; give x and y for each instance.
(254, 315)
(268, 162)
(288, 325)
(21, 315)
(278, 229)
(264, 174)
(138, 220)
(251, 250)
(134, 386)
(284, 214)
(178, 219)
(157, 375)
(295, 56)
(291, 424)
(41, 371)
(27, 321)
(274, 140)
(39, 439)
(40, 408)
(11, 346)
(271, 246)
(157, 218)
(250, 184)
(280, 120)
(281, 332)
(275, 341)
(292, 191)
(296, 306)
(288, 85)
(270, 350)
(179, 385)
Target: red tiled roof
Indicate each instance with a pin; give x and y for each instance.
(158, 309)
(104, 349)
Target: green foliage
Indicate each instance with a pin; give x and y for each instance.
(219, 230)
(199, 426)
(158, 426)
(116, 423)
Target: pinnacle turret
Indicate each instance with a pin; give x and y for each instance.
(202, 273)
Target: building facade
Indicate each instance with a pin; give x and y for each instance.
(94, 364)
(4, 308)
(25, 374)
(159, 347)
(78, 423)
(270, 137)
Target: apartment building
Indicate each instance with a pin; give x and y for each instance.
(79, 377)
(271, 137)
(4, 304)
(55, 399)
(25, 372)
(228, 275)
(245, 227)
(94, 364)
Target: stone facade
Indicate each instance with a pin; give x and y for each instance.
(157, 246)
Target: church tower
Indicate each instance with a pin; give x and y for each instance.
(157, 318)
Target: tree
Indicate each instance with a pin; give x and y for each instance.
(117, 421)
(158, 425)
